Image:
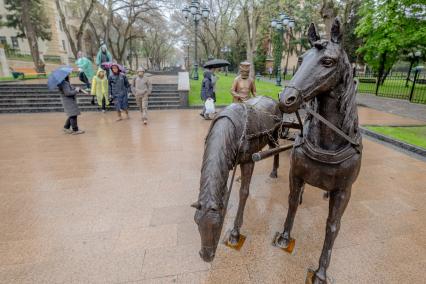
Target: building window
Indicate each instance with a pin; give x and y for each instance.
(63, 45)
(15, 43)
(3, 40)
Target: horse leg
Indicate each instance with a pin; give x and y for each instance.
(301, 194)
(246, 173)
(274, 173)
(296, 187)
(338, 201)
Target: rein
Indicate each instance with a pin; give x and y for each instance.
(332, 127)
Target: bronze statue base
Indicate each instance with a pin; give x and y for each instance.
(236, 246)
(289, 249)
(310, 278)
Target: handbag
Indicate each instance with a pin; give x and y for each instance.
(209, 107)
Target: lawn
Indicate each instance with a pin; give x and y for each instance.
(393, 88)
(414, 135)
(223, 90)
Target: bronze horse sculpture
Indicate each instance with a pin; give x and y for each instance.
(235, 134)
(328, 152)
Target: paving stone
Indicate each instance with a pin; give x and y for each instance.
(112, 206)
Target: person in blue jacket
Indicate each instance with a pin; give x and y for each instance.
(119, 88)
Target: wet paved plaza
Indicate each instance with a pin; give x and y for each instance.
(112, 206)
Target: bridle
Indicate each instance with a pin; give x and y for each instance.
(319, 117)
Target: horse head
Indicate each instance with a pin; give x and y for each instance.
(209, 219)
(320, 72)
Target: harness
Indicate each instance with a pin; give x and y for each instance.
(247, 137)
(319, 154)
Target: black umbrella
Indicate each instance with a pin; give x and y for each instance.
(216, 63)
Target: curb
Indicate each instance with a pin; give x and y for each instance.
(200, 107)
(405, 146)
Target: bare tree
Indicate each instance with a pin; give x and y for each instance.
(125, 19)
(328, 13)
(252, 14)
(219, 25)
(158, 44)
(87, 12)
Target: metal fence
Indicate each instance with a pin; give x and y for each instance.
(397, 85)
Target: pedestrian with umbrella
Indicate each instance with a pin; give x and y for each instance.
(59, 78)
(212, 66)
(207, 94)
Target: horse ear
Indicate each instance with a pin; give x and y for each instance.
(336, 35)
(312, 34)
(196, 205)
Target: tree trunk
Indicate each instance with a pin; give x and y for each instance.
(251, 25)
(385, 76)
(95, 33)
(84, 21)
(31, 37)
(381, 68)
(109, 20)
(66, 30)
(328, 13)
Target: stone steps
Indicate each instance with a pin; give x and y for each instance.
(37, 98)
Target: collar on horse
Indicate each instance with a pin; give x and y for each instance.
(323, 120)
(324, 156)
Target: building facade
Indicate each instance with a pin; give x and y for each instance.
(58, 48)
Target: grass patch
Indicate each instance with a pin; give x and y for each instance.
(6, 79)
(223, 90)
(414, 135)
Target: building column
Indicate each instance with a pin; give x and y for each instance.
(4, 65)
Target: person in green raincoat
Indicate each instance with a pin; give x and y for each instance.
(100, 89)
(86, 69)
(103, 56)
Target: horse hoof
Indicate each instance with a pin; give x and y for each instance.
(283, 243)
(234, 241)
(273, 175)
(312, 278)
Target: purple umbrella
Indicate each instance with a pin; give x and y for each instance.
(108, 65)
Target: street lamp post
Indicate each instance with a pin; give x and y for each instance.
(281, 25)
(412, 57)
(225, 50)
(187, 45)
(197, 14)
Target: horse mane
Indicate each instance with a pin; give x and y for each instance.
(348, 99)
(220, 151)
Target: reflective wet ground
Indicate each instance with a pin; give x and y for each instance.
(112, 206)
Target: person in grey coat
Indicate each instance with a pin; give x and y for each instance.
(69, 102)
(119, 88)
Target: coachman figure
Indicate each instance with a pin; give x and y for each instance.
(243, 87)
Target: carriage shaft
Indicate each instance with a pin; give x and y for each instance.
(256, 157)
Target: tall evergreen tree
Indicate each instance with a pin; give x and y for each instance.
(28, 17)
